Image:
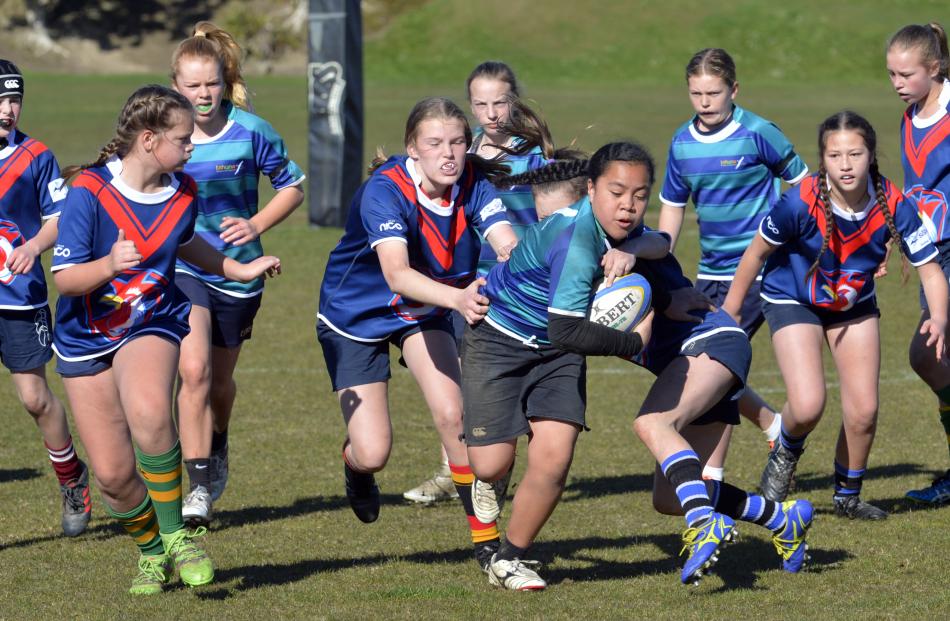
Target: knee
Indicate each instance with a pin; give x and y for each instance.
(195, 373)
(922, 359)
(862, 420)
(116, 483)
(448, 416)
(223, 390)
(807, 407)
(644, 425)
(37, 400)
(369, 458)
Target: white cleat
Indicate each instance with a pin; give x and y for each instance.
(514, 575)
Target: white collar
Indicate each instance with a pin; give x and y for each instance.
(424, 200)
(114, 164)
(223, 131)
(11, 145)
(846, 213)
(942, 101)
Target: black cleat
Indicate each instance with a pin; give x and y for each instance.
(484, 551)
(856, 509)
(779, 473)
(363, 494)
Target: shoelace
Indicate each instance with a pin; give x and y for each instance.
(693, 532)
(181, 547)
(152, 569)
(74, 497)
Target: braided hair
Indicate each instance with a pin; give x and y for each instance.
(847, 120)
(150, 107)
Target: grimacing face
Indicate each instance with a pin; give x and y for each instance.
(711, 98)
(200, 80)
(438, 151)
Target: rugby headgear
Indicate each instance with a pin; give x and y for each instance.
(11, 80)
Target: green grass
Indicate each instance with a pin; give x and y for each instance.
(287, 546)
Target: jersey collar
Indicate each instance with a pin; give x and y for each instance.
(425, 201)
(114, 164)
(844, 212)
(723, 133)
(7, 151)
(943, 102)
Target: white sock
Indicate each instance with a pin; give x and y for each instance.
(772, 433)
(713, 474)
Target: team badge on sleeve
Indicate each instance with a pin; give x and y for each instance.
(493, 207)
(57, 189)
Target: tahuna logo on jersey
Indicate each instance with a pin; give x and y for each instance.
(932, 209)
(840, 289)
(127, 301)
(10, 238)
(918, 240)
(495, 206)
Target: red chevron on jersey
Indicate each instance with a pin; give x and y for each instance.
(147, 240)
(917, 154)
(14, 166)
(403, 181)
(442, 249)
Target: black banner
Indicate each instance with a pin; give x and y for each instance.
(335, 76)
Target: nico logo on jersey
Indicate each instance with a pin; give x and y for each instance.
(391, 225)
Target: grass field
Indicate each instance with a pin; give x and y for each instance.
(286, 544)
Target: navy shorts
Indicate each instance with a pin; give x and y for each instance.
(944, 259)
(732, 350)
(751, 311)
(232, 318)
(781, 315)
(94, 366)
(354, 363)
(505, 383)
(25, 338)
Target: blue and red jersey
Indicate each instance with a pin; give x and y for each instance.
(140, 300)
(31, 191)
(441, 235)
(925, 155)
(845, 273)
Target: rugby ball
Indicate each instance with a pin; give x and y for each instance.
(623, 304)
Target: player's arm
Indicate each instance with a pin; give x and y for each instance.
(502, 239)
(749, 269)
(238, 231)
(620, 261)
(403, 279)
(83, 278)
(671, 222)
(935, 288)
(23, 257)
(199, 252)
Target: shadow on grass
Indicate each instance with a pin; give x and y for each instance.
(596, 487)
(233, 518)
(813, 481)
(741, 565)
(99, 532)
(19, 474)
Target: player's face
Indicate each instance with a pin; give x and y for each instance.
(199, 79)
(173, 147)
(438, 151)
(619, 197)
(9, 113)
(847, 160)
(910, 77)
(712, 99)
(489, 100)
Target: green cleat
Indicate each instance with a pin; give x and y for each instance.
(194, 566)
(154, 573)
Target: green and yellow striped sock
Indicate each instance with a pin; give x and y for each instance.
(142, 524)
(162, 474)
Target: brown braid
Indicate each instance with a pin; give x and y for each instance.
(825, 198)
(150, 107)
(889, 219)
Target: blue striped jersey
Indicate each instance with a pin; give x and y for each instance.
(925, 154)
(227, 168)
(732, 176)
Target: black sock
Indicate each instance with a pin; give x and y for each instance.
(508, 551)
(219, 441)
(199, 472)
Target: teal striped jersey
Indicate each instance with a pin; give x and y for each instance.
(227, 168)
(733, 176)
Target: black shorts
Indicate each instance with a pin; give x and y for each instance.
(505, 383)
(25, 338)
(232, 318)
(751, 311)
(731, 350)
(355, 363)
(781, 315)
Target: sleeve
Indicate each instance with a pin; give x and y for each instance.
(675, 192)
(189, 233)
(270, 156)
(779, 154)
(577, 335)
(915, 240)
(50, 187)
(781, 224)
(487, 209)
(77, 229)
(381, 212)
(574, 260)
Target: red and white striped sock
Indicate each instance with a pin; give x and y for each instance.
(65, 462)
